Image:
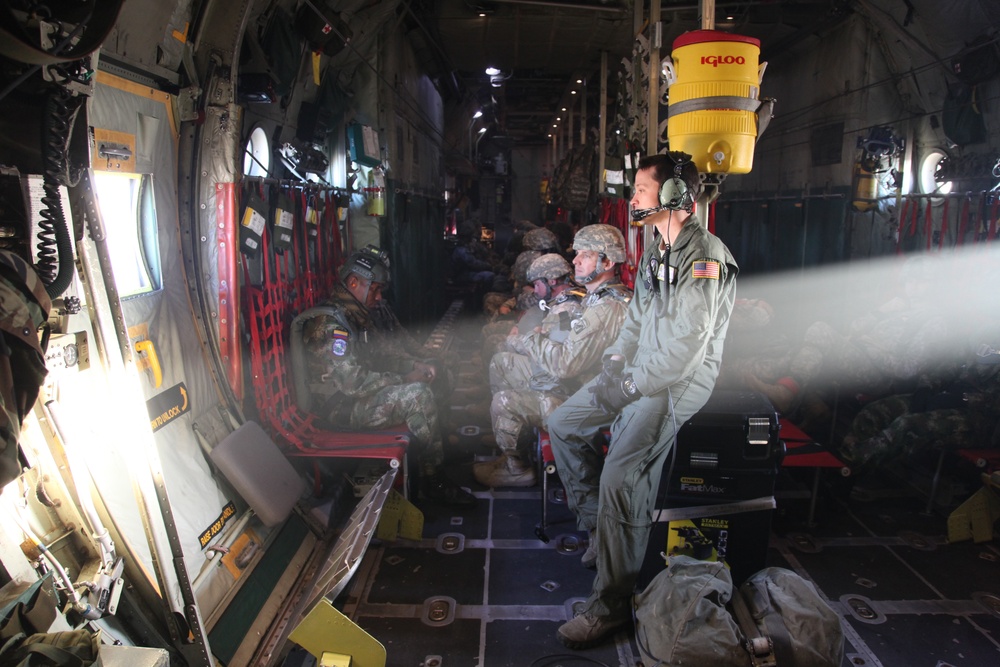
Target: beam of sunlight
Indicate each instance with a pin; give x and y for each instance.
(869, 328)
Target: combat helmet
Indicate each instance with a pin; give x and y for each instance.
(522, 264)
(540, 239)
(370, 263)
(604, 239)
(549, 267)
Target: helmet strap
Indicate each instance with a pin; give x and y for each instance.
(592, 276)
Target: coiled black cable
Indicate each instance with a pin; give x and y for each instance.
(55, 249)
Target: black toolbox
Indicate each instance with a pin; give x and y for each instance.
(716, 493)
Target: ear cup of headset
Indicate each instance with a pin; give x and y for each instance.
(674, 194)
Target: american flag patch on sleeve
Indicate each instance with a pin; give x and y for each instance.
(705, 268)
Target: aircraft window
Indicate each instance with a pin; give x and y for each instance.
(129, 213)
(257, 154)
(930, 165)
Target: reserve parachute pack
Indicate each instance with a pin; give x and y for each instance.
(688, 615)
(24, 310)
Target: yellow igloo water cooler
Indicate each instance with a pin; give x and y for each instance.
(714, 93)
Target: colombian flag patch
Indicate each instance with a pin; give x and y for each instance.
(340, 337)
(705, 268)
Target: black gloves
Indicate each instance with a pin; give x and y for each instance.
(613, 389)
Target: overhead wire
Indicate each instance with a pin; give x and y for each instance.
(779, 132)
(795, 113)
(402, 94)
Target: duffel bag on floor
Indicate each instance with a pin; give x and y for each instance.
(681, 617)
(787, 623)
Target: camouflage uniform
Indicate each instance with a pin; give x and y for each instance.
(554, 362)
(880, 353)
(24, 309)
(523, 305)
(391, 339)
(494, 301)
(359, 383)
(965, 414)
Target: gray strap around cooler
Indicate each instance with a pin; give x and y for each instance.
(763, 108)
(717, 102)
(700, 511)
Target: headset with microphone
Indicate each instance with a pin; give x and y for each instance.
(674, 195)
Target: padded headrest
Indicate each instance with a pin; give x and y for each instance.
(259, 472)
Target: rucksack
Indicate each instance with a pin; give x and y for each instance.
(687, 615)
(787, 622)
(681, 617)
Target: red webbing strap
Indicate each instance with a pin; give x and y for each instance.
(329, 234)
(227, 245)
(913, 217)
(711, 217)
(944, 223)
(313, 287)
(267, 316)
(348, 234)
(963, 221)
(928, 224)
(605, 211)
(324, 253)
(902, 223)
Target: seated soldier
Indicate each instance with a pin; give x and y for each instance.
(359, 385)
(554, 360)
(519, 312)
(955, 412)
(391, 339)
(536, 242)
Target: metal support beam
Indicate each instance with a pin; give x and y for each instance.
(602, 122)
(708, 14)
(653, 98)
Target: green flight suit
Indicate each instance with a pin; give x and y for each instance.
(672, 341)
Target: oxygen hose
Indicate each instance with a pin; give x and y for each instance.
(55, 249)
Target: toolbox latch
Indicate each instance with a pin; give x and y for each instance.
(758, 438)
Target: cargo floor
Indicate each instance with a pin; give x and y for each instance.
(482, 589)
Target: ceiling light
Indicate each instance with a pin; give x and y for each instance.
(729, 18)
(555, 125)
(478, 114)
(481, 130)
(558, 118)
(572, 92)
(492, 71)
(482, 15)
(563, 109)
(579, 80)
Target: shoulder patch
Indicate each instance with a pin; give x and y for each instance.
(706, 268)
(339, 343)
(578, 325)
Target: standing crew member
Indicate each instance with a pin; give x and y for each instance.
(657, 374)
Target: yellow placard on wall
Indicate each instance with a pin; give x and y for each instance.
(113, 151)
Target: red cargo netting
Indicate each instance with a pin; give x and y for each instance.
(284, 290)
